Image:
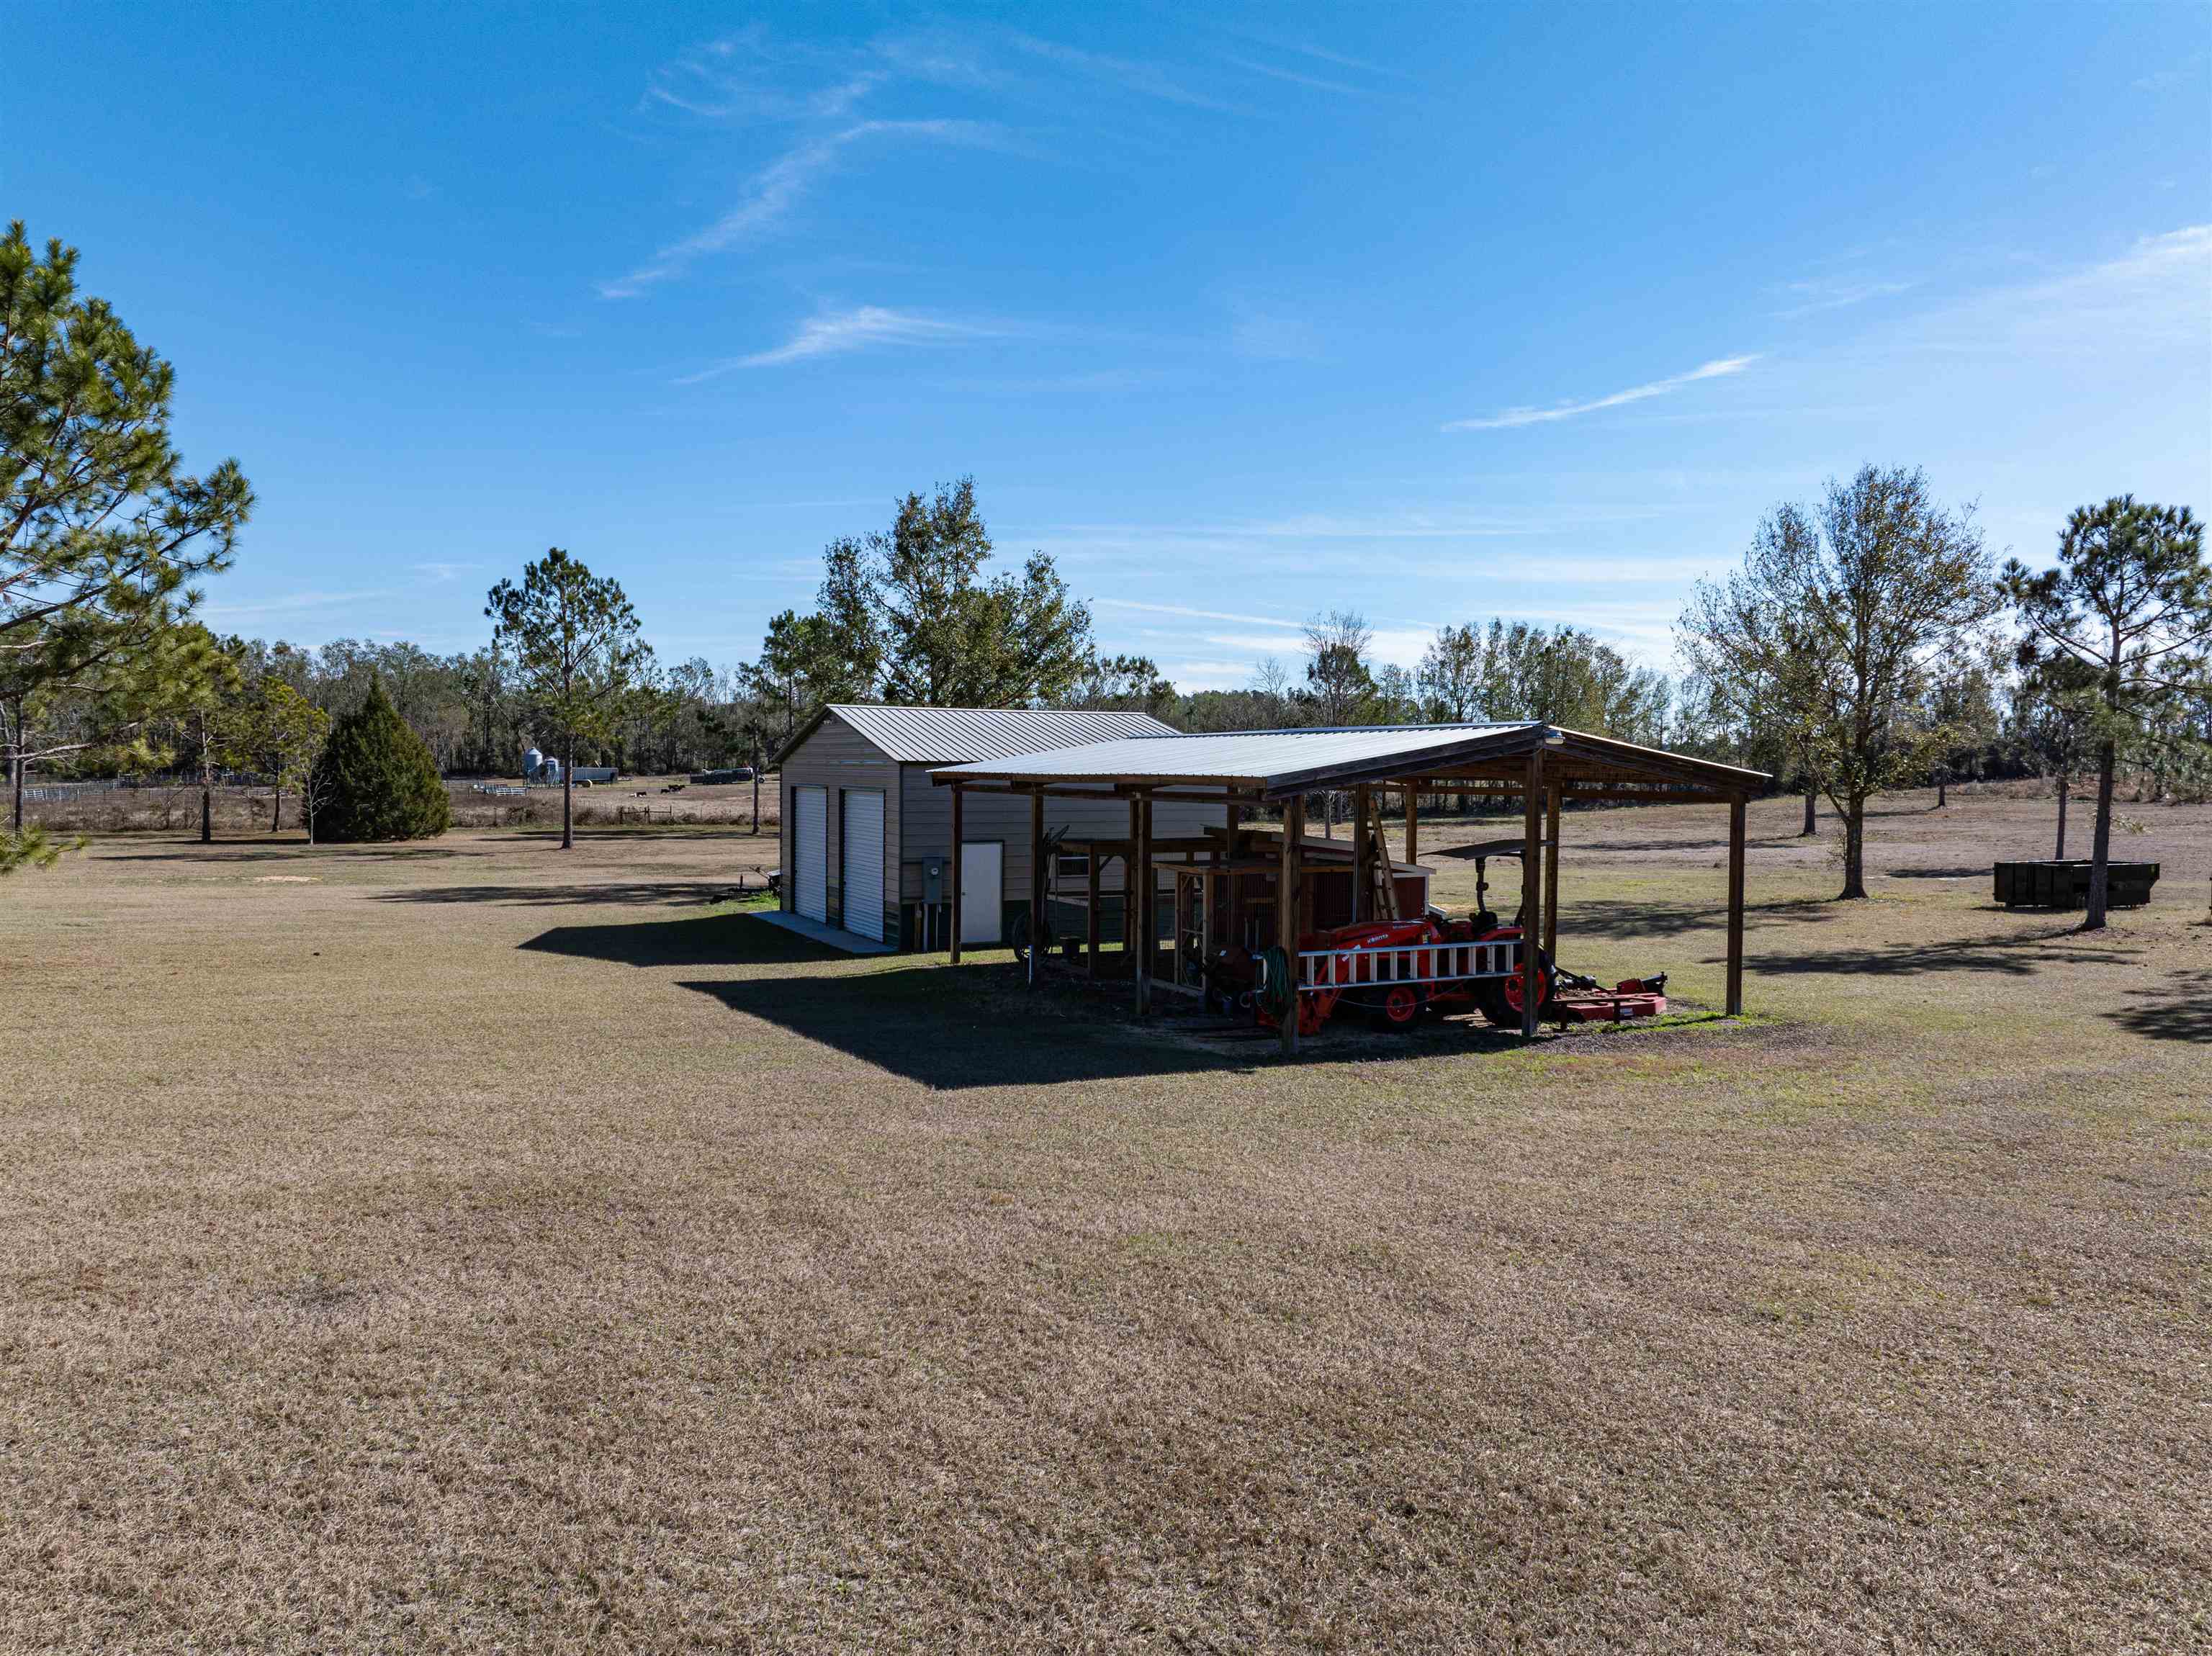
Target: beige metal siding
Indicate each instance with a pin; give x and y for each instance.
(926, 822)
(836, 757)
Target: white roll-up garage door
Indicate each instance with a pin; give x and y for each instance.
(810, 851)
(863, 864)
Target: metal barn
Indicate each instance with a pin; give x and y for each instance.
(868, 838)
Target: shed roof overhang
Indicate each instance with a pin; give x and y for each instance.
(915, 735)
(1279, 764)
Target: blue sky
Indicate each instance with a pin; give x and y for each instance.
(1438, 314)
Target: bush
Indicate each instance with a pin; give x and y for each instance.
(375, 779)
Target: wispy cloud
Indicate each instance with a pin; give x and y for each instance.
(1307, 49)
(2189, 71)
(839, 331)
(1191, 613)
(777, 187)
(290, 604)
(1136, 76)
(1319, 83)
(2150, 297)
(1834, 294)
(1271, 337)
(1720, 367)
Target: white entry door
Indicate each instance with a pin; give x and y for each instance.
(982, 885)
(810, 851)
(863, 864)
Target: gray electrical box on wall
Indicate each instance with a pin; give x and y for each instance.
(933, 879)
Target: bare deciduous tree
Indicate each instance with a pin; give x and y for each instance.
(1834, 629)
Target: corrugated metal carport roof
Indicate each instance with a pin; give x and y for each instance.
(1280, 762)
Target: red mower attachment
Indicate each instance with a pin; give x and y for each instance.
(1579, 1000)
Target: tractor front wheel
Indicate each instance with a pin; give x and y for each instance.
(1400, 1008)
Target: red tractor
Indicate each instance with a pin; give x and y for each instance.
(1401, 971)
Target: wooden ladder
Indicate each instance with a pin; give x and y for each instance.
(1374, 857)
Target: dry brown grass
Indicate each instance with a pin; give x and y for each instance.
(467, 1246)
(247, 812)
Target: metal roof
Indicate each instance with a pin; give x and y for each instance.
(944, 735)
(1280, 762)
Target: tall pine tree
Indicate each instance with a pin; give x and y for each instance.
(102, 532)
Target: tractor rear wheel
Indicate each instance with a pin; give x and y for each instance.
(1500, 997)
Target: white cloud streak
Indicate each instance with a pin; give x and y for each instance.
(1194, 614)
(842, 332)
(1149, 79)
(1253, 66)
(776, 188)
(2152, 296)
(1720, 367)
(1815, 297)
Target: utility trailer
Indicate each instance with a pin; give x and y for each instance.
(2063, 883)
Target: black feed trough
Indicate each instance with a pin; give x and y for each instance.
(2054, 883)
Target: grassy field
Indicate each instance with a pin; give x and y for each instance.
(489, 801)
(467, 1246)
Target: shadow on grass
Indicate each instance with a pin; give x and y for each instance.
(702, 940)
(265, 851)
(1717, 844)
(638, 893)
(948, 1027)
(2183, 1012)
(1637, 920)
(587, 832)
(2018, 956)
(1969, 871)
(942, 1028)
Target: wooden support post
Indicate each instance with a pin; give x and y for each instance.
(1362, 853)
(1129, 884)
(1233, 818)
(1532, 887)
(1147, 909)
(956, 860)
(1551, 872)
(1036, 884)
(1090, 911)
(1286, 911)
(1413, 822)
(1735, 908)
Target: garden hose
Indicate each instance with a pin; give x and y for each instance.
(1276, 995)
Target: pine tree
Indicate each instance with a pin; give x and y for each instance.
(102, 532)
(375, 779)
(2127, 613)
(579, 662)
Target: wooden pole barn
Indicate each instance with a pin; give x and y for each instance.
(1247, 772)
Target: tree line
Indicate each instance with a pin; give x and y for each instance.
(1867, 641)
